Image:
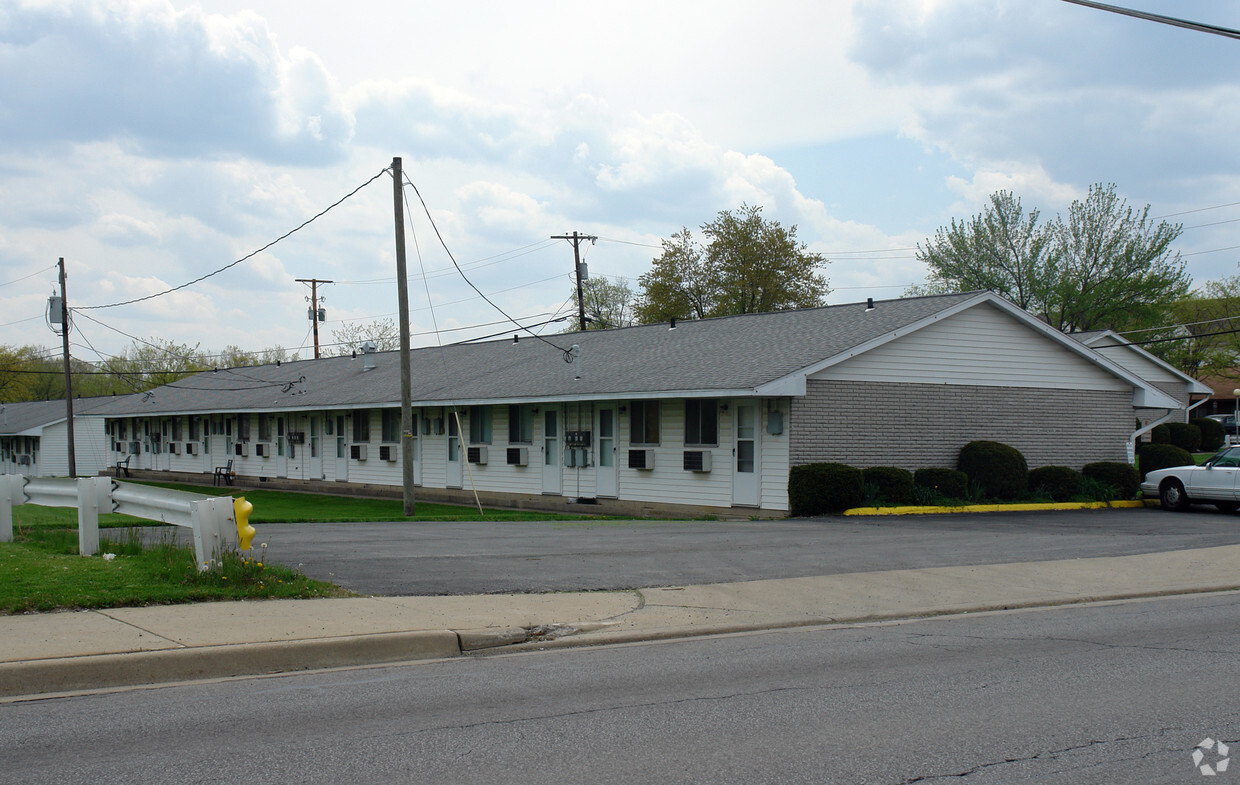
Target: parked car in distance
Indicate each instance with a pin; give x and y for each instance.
(1217, 482)
(1228, 421)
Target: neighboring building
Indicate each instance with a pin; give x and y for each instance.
(34, 438)
(703, 417)
(1188, 392)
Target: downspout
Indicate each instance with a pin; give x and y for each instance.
(1132, 439)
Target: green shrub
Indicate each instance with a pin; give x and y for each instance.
(999, 469)
(1185, 436)
(1162, 456)
(950, 483)
(1160, 435)
(820, 488)
(894, 485)
(1060, 483)
(1212, 433)
(1122, 477)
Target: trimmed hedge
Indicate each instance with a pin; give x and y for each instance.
(950, 483)
(1185, 436)
(821, 488)
(1212, 433)
(1162, 456)
(999, 469)
(1060, 483)
(894, 485)
(1120, 476)
(1160, 435)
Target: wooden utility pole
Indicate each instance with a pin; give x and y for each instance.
(314, 307)
(402, 296)
(64, 335)
(576, 239)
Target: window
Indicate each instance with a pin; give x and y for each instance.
(391, 425)
(176, 429)
(702, 422)
(193, 429)
(361, 425)
(264, 427)
(520, 424)
(480, 425)
(644, 422)
(243, 428)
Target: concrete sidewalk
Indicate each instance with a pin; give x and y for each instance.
(83, 650)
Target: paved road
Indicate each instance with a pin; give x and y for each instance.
(1067, 696)
(472, 558)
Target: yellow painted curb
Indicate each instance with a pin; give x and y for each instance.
(1001, 507)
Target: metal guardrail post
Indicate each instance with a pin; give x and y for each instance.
(11, 495)
(93, 494)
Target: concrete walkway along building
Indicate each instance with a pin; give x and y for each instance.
(697, 417)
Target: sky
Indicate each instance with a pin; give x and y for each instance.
(153, 142)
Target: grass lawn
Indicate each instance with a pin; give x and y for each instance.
(40, 571)
(292, 507)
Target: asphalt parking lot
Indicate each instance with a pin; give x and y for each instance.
(472, 558)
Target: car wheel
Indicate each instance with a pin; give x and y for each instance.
(1227, 506)
(1172, 496)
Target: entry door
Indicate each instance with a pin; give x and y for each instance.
(606, 471)
(342, 450)
(454, 453)
(745, 464)
(282, 447)
(551, 452)
(314, 461)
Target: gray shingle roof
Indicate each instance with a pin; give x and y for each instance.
(21, 416)
(729, 354)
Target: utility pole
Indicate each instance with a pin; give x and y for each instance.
(576, 239)
(64, 334)
(402, 296)
(314, 307)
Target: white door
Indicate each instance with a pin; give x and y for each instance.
(453, 477)
(282, 447)
(417, 452)
(314, 458)
(342, 451)
(551, 452)
(745, 464)
(606, 471)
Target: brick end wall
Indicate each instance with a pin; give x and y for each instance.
(919, 425)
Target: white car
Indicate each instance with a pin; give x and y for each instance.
(1217, 482)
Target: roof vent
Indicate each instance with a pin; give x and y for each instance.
(368, 352)
(869, 304)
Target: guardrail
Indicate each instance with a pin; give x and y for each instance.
(212, 519)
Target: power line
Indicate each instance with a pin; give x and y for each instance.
(250, 255)
(1200, 27)
(24, 277)
(1197, 210)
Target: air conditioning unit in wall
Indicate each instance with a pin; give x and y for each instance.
(242, 449)
(697, 461)
(191, 448)
(135, 448)
(387, 452)
(174, 448)
(477, 455)
(262, 449)
(23, 460)
(518, 456)
(358, 452)
(641, 459)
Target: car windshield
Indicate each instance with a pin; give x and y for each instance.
(1228, 456)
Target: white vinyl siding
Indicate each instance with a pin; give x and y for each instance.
(980, 346)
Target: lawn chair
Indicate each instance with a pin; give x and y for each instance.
(123, 466)
(224, 473)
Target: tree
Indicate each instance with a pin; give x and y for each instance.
(1201, 338)
(1113, 269)
(351, 335)
(748, 265)
(1102, 267)
(607, 305)
(1001, 250)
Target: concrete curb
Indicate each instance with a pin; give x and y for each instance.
(210, 662)
(914, 510)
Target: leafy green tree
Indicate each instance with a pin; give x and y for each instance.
(607, 305)
(350, 336)
(1103, 266)
(748, 265)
